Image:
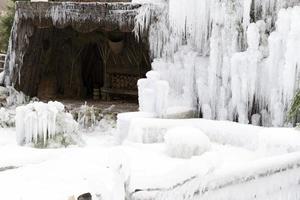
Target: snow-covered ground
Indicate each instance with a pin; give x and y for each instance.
(142, 170)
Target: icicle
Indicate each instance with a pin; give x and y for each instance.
(246, 74)
(37, 122)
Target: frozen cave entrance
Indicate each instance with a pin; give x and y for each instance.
(76, 50)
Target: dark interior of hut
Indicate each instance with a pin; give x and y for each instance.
(64, 64)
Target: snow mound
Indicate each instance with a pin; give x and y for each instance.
(44, 124)
(185, 142)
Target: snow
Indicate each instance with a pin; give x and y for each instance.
(140, 171)
(185, 142)
(279, 141)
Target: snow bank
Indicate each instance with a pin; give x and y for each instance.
(276, 141)
(39, 122)
(185, 142)
(272, 178)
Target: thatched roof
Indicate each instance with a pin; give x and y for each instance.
(82, 16)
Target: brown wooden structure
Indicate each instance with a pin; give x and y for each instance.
(72, 49)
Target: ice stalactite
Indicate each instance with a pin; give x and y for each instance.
(244, 67)
(282, 63)
(179, 74)
(237, 59)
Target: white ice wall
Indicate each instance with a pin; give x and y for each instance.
(217, 60)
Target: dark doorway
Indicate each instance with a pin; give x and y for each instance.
(64, 64)
(91, 69)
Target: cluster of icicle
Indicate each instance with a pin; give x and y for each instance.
(37, 122)
(230, 60)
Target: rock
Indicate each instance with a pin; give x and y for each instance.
(86, 196)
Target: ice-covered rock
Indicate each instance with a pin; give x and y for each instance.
(185, 142)
(45, 124)
(124, 122)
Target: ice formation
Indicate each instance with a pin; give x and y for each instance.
(185, 142)
(124, 121)
(153, 94)
(273, 178)
(38, 122)
(230, 60)
(15, 98)
(87, 117)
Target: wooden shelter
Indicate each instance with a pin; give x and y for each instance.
(76, 49)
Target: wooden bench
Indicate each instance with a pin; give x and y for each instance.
(107, 92)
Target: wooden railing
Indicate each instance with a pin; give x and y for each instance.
(2, 61)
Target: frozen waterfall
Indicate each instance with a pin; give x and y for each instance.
(229, 60)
